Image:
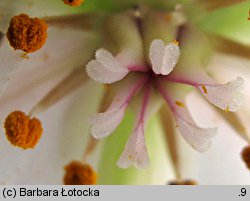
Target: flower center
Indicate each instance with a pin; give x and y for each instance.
(27, 34)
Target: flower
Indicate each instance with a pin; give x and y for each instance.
(107, 69)
(148, 57)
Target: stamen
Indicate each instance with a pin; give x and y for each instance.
(179, 103)
(73, 2)
(22, 131)
(245, 154)
(91, 146)
(183, 182)
(168, 123)
(74, 80)
(27, 34)
(78, 173)
(235, 120)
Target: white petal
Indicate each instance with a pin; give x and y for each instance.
(3, 84)
(135, 152)
(227, 96)
(105, 69)
(156, 54)
(10, 60)
(105, 123)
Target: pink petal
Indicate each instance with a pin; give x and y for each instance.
(135, 152)
(225, 96)
(105, 69)
(198, 138)
(103, 124)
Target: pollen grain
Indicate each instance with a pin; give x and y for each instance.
(27, 34)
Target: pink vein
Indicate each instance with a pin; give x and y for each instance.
(136, 88)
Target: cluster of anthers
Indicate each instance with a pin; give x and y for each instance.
(158, 76)
(29, 35)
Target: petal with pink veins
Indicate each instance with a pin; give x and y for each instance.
(225, 96)
(135, 152)
(197, 137)
(103, 124)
